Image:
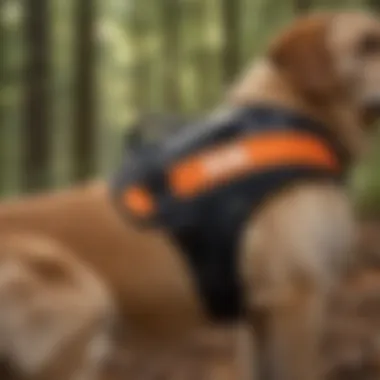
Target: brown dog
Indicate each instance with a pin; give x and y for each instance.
(291, 251)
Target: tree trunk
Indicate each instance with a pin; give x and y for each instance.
(170, 12)
(84, 136)
(231, 53)
(36, 97)
(141, 69)
(2, 103)
(302, 6)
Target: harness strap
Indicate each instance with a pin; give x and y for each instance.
(202, 184)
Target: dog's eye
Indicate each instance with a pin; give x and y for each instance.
(369, 45)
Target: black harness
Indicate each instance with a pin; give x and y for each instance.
(207, 226)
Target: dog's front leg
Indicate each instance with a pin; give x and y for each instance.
(293, 253)
(288, 338)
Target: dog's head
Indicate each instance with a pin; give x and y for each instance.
(333, 57)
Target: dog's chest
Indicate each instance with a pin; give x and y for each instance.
(202, 184)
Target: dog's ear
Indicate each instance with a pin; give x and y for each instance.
(303, 55)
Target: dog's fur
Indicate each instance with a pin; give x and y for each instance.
(292, 251)
(54, 312)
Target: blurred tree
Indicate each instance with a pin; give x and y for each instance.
(139, 29)
(250, 14)
(231, 53)
(207, 54)
(84, 135)
(170, 15)
(302, 6)
(2, 103)
(11, 94)
(36, 122)
(193, 51)
(63, 35)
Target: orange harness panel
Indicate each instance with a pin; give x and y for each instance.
(214, 167)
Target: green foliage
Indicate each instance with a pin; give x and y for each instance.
(151, 55)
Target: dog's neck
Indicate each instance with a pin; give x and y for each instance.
(263, 83)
